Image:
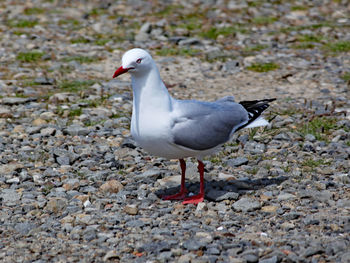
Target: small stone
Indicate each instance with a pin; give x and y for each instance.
(269, 209)
(59, 97)
(75, 130)
(110, 255)
(250, 256)
(285, 196)
(48, 132)
(187, 258)
(39, 122)
(201, 207)
(9, 168)
(308, 147)
(63, 160)
(15, 100)
(71, 184)
(10, 197)
(135, 223)
(232, 66)
(24, 228)
(192, 245)
(18, 129)
(189, 42)
(47, 115)
(14, 180)
(246, 205)
(237, 162)
(220, 195)
(111, 186)
(5, 112)
(310, 251)
(254, 148)
(56, 205)
(273, 259)
(67, 219)
(131, 209)
(204, 237)
(343, 203)
(287, 226)
(292, 215)
(225, 176)
(89, 234)
(282, 137)
(310, 138)
(44, 81)
(345, 257)
(146, 28)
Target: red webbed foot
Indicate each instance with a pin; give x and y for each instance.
(194, 199)
(179, 196)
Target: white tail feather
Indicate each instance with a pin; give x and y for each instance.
(257, 123)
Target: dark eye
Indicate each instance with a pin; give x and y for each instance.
(138, 61)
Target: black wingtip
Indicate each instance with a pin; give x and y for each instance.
(255, 108)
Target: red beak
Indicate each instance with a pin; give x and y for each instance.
(120, 71)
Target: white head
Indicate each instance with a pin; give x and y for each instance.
(135, 61)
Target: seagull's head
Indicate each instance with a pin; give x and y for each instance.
(135, 61)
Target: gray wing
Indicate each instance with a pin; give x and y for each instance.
(204, 125)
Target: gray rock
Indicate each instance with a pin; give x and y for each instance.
(135, 223)
(48, 131)
(75, 130)
(254, 147)
(282, 137)
(273, 259)
(345, 257)
(213, 251)
(292, 215)
(56, 205)
(10, 197)
(24, 228)
(246, 205)
(146, 28)
(310, 251)
(343, 203)
(16, 100)
(189, 42)
(44, 81)
(192, 245)
(220, 195)
(34, 129)
(310, 138)
(232, 66)
(323, 196)
(5, 112)
(250, 256)
(176, 39)
(144, 33)
(237, 162)
(308, 147)
(89, 234)
(63, 160)
(285, 196)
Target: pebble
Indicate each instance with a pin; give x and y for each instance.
(111, 186)
(237, 162)
(246, 205)
(131, 209)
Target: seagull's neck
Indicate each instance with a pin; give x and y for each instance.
(149, 95)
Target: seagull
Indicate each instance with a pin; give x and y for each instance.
(177, 129)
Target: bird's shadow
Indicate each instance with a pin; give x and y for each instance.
(218, 190)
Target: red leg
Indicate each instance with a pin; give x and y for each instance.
(195, 199)
(183, 191)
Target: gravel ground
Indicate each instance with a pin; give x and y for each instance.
(74, 186)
